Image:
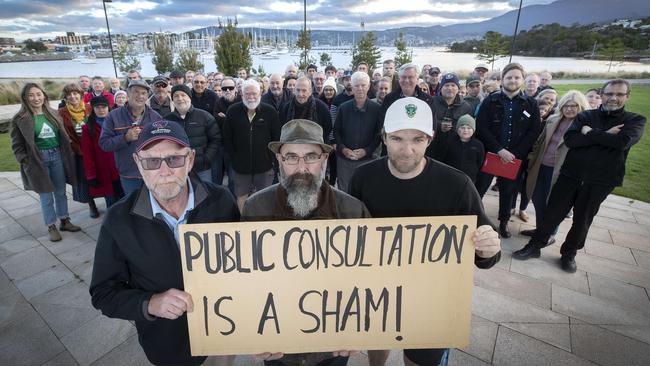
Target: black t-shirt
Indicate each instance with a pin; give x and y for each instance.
(439, 190)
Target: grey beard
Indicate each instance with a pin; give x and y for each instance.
(302, 196)
(251, 105)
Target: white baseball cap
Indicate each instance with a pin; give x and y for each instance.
(409, 114)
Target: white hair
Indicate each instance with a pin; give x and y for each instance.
(403, 68)
(250, 82)
(358, 77)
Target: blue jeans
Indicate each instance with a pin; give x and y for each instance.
(54, 204)
(130, 184)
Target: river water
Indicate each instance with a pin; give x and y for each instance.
(435, 56)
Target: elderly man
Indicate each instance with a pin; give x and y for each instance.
(302, 193)
(356, 130)
(229, 97)
(407, 183)
(508, 124)
(97, 90)
(319, 83)
(447, 108)
(115, 85)
(202, 97)
(189, 78)
(291, 70)
(480, 70)
(176, 78)
(201, 128)
(531, 85)
(277, 95)
(545, 81)
(121, 130)
(137, 271)
(408, 87)
(248, 128)
(599, 141)
(160, 101)
(305, 106)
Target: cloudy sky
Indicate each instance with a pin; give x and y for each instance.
(23, 19)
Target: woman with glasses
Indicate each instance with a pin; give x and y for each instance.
(549, 152)
(42, 148)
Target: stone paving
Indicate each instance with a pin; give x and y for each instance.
(524, 313)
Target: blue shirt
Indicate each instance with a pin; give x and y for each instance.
(509, 112)
(169, 219)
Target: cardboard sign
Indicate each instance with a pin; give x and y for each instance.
(327, 285)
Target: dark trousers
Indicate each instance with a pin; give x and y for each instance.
(521, 189)
(541, 192)
(584, 198)
(507, 189)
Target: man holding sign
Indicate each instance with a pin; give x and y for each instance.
(137, 271)
(406, 183)
(302, 193)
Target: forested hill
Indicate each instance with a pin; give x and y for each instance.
(555, 40)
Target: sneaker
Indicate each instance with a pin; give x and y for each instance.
(66, 225)
(53, 233)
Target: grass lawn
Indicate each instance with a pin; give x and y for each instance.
(637, 170)
(637, 177)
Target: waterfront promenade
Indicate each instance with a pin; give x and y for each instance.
(524, 313)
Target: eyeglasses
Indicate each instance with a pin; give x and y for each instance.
(618, 95)
(227, 88)
(292, 159)
(172, 161)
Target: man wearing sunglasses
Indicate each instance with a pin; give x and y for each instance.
(137, 271)
(302, 194)
(202, 97)
(599, 141)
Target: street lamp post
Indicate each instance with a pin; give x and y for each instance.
(110, 40)
(304, 30)
(514, 37)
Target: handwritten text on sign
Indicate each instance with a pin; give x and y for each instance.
(325, 285)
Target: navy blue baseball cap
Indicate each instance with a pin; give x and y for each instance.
(162, 130)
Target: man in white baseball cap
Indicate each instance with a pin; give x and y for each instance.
(406, 183)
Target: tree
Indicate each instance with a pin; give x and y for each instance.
(126, 57)
(492, 48)
(366, 51)
(304, 43)
(232, 49)
(34, 45)
(163, 56)
(613, 50)
(188, 59)
(403, 55)
(325, 59)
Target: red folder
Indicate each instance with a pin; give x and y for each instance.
(494, 166)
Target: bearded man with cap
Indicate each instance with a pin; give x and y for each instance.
(201, 128)
(160, 101)
(121, 130)
(302, 194)
(137, 270)
(447, 107)
(407, 183)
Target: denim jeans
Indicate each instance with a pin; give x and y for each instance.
(130, 184)
(54, 204)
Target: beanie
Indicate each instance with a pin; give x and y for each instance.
(466, 120)
(183, 88)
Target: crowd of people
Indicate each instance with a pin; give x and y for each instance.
(310, 144)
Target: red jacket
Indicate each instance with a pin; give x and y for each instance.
(89, 95)
(98, 164)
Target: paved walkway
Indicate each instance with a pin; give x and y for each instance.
(524, 313)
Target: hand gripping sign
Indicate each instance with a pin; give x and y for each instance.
(326, 285)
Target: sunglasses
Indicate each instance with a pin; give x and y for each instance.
(160, 85)
(172, 161)
(226, 88)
